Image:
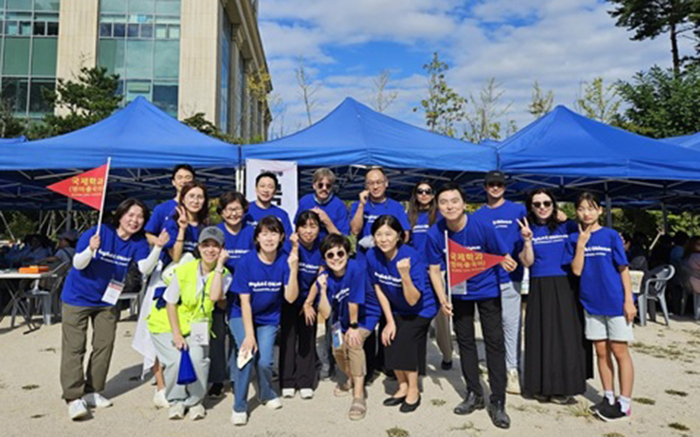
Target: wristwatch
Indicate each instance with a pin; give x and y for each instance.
(222, 270)
(354, 325)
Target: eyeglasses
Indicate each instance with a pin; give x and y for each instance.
(376, 183)
(322, 185)
(340, 254)
(546, 204)
(426, 191)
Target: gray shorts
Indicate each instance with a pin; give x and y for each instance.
(613, 328)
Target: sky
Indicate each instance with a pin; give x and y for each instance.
(345, 45)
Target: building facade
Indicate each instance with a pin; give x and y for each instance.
(186, 56)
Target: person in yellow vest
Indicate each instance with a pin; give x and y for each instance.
(192, 292)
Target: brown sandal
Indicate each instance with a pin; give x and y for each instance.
(358, 409)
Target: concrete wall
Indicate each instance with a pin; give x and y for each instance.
(77, 37)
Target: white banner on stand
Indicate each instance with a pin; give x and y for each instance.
(286, 172)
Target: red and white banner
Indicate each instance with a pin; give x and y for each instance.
(464, 263)
(88, 188)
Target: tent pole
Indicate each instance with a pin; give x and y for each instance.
(608, 207)
(664, 212)
(69, 209)
(7, 226)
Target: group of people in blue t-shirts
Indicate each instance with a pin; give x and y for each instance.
(219, 298)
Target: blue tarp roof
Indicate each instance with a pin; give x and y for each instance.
(19, 139)
(690, 141)
(138, 136)
(354, 134)
(564, 143)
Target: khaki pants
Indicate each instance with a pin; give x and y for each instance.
(351, 359)
(74, 381)
(443, 336)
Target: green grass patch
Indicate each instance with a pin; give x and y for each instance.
(30, 387)
(438, 402)
(37, 416)
(672, 353)
(464, 427)
(673, 392)
(397, 432)
(692, 372)
(613, 434)
(678, 426)
(645, 401)
(48, 349)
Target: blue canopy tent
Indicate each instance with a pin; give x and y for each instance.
(691, 141)
(353, 137)
(565, 150)
(19, 139)
(144, 144)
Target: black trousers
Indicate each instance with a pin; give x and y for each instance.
(492, 329)
(297, 362)
(218, 352)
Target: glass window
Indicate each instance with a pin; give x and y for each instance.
(14, 93)
(16, 54)
(47, 5)
(142, 6)
(161, 31)
(25, 28)
(39, 28)
(165, 97)
(52, 29)
(171, 7)
(147, 31)
(167, 20)
(11, 28)
(173, 31)
(2, 27)
(119, 30)
(167, 59)
(133, 31)
(135, 88)
(110, 54)
(139, 59)
(105, 29)
(44, 56)
(19, 5)
(113, 5)
(37, 102)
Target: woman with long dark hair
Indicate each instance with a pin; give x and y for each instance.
(555, 358)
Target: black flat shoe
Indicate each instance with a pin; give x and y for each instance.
(392, 401)
(409, 408)
(446, 365)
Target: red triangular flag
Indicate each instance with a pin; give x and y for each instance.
(87, 187)
(465, 263)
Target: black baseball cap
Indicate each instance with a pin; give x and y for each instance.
(495, 176)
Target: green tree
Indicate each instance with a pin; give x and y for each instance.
(199, 122)
(541, 103)
(660, 104)
(598, 101)
(649, 19)
(10, 126)
(444, 107)
(89, 99)
(486, 117)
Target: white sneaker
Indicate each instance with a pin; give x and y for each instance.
(96, 400)
(239, 419)
(288, 393)
(274, 404)
(513, 386)
(77, 409)
(307, 393)
(198, 412)
(177, 411)
(159, 399)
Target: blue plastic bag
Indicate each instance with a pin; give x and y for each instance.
(186, 375)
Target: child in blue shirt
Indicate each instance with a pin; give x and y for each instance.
(597, 255)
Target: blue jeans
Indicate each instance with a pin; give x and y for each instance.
(263, 362)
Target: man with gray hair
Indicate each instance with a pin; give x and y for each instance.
(331, 210)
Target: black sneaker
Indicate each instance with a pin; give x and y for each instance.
(446, 365)
(216, 390)
(594, 408)
(613, 413)
(469, 404)
(498, 415)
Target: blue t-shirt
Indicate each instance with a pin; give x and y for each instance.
(237, 245)
(334, 208)
(86, 287)
(265, 283)
(255, 214)
(189, 245)
(503, 220)
(310, 261)
(419, 233)
(601, 290)
(549, 247)
(373, 211)
(353, 287)
(476, 236)
(385, 274)
(160, 215)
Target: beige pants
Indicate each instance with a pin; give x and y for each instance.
(351, 359)
(74, 381)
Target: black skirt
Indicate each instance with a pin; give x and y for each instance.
(556, 360)
(408, 350)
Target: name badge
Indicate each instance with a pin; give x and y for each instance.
(337, 335)
(199, 334)
(459, 289)
(113, 291)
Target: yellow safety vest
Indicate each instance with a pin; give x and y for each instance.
(192, 307)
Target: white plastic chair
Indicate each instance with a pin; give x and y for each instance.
(655, 290)
(46, 295)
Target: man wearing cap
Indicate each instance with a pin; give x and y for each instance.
(192, 292)
(503, 216)
(330, 209)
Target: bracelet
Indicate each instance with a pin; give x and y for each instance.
(180, 241)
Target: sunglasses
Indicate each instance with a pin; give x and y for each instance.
(495, 184)
(340, 254)
(546, 204)
(323, 185)
(426, 191)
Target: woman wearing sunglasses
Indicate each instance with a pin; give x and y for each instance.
(400, 279)
(347, 296)
(422, 214)
(555, 357)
